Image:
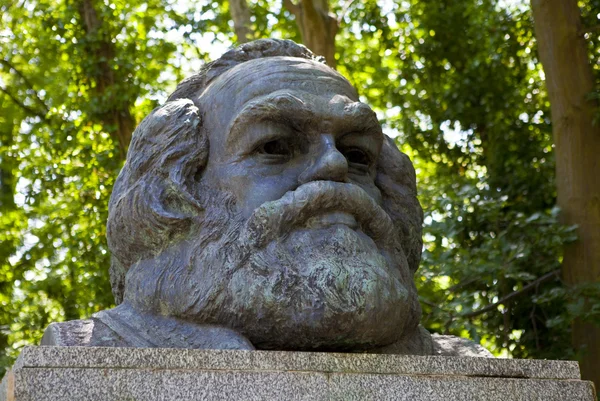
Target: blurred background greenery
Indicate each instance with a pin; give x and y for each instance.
(457, 83)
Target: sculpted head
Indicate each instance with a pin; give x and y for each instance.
(263, 197)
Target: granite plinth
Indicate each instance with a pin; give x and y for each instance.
(94, 373)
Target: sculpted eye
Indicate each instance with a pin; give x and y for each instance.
(357, 156)
(276, 149)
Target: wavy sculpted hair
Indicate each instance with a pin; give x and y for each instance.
(155, 198)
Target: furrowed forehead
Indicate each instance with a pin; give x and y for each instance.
(230, 93)
(258, 77)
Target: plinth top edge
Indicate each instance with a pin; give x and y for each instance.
(233, 360)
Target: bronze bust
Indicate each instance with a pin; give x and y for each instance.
(262, 207)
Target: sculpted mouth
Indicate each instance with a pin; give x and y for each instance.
(321, 204)
(331, 219)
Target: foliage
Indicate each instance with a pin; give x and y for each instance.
(59, 158)
(459, 83)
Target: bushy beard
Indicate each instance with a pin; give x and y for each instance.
(283, 285)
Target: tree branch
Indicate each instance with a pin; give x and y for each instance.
(27, 83)
(240, 14)
(429, 303)
(291, 7)
(23, 106)
(513, 295)
(462, 284)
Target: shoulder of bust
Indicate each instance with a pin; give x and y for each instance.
(72, 333)
(80, 333)
(456, 346)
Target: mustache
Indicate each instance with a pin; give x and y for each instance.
(274, 219)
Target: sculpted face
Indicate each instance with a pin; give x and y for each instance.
(306, 257)
(277, 209)
(300, 123)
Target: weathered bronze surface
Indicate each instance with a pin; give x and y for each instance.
(262, 207)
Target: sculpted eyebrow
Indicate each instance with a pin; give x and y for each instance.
(361, 116)
(279, 108)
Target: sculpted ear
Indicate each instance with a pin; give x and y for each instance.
(396, 179)
(154, 201)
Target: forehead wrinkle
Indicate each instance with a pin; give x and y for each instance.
(269, 66)
(297, 72)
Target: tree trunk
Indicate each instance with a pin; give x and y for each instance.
(114, 110)
(241, 20)
(8, 165)
(7, 178)
(317, 25)
(569, 79)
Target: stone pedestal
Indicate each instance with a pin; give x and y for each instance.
(102, 374)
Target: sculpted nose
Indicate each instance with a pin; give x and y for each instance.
(329, 165)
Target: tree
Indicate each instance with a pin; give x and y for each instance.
(10, 213)
(114, 113)
(570, 80)
(240, 14)
(317, 26)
